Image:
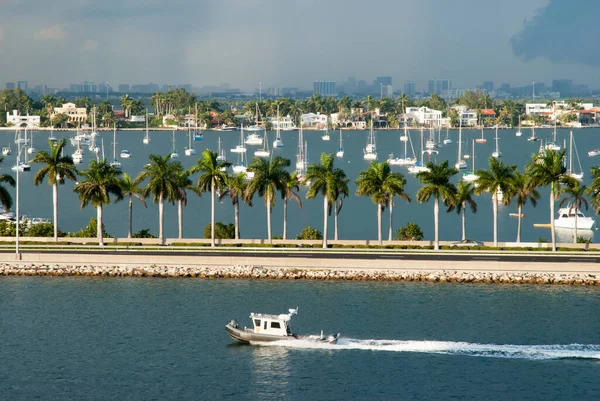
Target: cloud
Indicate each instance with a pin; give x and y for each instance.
(55, 32)
(560, 32)
(90, 45)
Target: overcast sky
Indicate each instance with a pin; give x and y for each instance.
(293, 42)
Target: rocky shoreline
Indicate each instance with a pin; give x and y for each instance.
(258, 272)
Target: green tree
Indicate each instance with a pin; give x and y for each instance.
(100, 181)
(184, 184)
(309, 233)
(292, 186)
(212, 178)
(269, 178)
(523, 191)
(130, 189)
(5, 198)
(410, 232)
(499, 178)
(548, 169)
(56, 168)
(221, 231)
(381, 184)
(436, 184)
(162, 174)
(575, 198)
(464, 197)
(235, 186)
(326, 180)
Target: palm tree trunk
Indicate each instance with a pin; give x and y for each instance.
(464, 221)
(335, 221)
(99, 226)
(212, 213)
(236, 208)
(161, 219)
(576, 218)
(553, 234)
(495, 200)
(325, 221)
(391, 219)
(55, 201)
(519, 209)
(436, 212)
(285, 218)
(180, 216)
(269, 218)
(379, 224)
(129, 234)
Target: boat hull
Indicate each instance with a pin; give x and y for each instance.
(583, 223)
(248, 336)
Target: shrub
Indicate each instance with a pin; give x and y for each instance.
(90, 231)
(43, 230)
(8, 228)
(583, 240)
(310, 233)
(410, 232)
(542, 240)
(222, 231)
(145, 233)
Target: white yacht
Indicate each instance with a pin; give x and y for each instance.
(370, 151)
(6, 151)
(240, 148)
(569, 217)
(460, 163)
(253, 139)
(125, 154)
(264, 151)
(325, 135)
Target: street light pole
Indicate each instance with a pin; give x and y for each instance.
(17, 209)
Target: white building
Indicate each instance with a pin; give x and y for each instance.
(314, 120)
(537, 108)
(22, 121)
(466, 116)
(283, 123)
(75, 114)
(425, 116)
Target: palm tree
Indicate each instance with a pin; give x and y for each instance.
(163, 175)
(499, 178)
(56, 169)
(436, 183)
(341, 193)
(235, 187)
(523, 190)
(269, 178)
(328, 181)
(575, 197)
(5, 198)
(548, 169)
(381, 184)
(292, 185)
(101, 180)
(184, 183)
(131, 189)
(394, 186)
(464, 197)
(594, 189)
(212, 178)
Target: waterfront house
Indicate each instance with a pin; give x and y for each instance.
(283, 123)
(22, 121)
(488, 117)
(425, 116)
(314, 120)
(76, 114)
(467, 117)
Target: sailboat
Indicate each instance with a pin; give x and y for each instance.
(325, 135)
(115, 162)
(470, 176)
(278, 143)
(220, 152)
(519, 133)
(570, 172)
(256, 126)
(447, 140)
(533, 138)
(174, 154)
(146, 139)
(6, 150)
(52, 137)
(340, 151)
(189, 150)
(482, 139)
(20, 166)
(430, 144)
(553, 145)
(300, 153)
(497, 152)
(460, 163)
(418, 167)
(467, 156)
(198, 135)
(370, 152)
(264, 151)
(31, 150)
(240, 148)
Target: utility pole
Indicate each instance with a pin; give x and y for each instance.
(533, 91)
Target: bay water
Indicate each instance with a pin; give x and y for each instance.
(164, 339)
(358, 218)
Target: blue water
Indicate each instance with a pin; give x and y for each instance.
(358, 219)
(153, 339)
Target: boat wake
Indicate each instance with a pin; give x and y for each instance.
(532, 352)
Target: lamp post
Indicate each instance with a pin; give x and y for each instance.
(18, 256)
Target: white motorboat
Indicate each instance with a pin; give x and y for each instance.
(460, 163)
(269, 328)
(253, 139)
(6, 151)
(77, 156)
(125, 154)
(325, 135)
(496, 154)
(594, 152)
(569, 217)
(227, 128)
(370, 151)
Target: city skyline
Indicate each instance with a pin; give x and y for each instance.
(243, 42)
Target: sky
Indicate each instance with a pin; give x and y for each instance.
(291, 43)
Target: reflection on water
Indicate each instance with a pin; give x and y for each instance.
(566, 235)
(270, 371)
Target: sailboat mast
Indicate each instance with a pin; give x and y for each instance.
(115, 142)
(571, 152)
(459, 139)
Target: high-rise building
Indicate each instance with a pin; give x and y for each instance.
(123, 88)
(324, 88)
(289, 91)
(104, 88)
(410, 88)
(10, 85)
(76, 88)
(439, 86)
(488, 86)
(563, 86)
(383, 81)
(22, 85)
